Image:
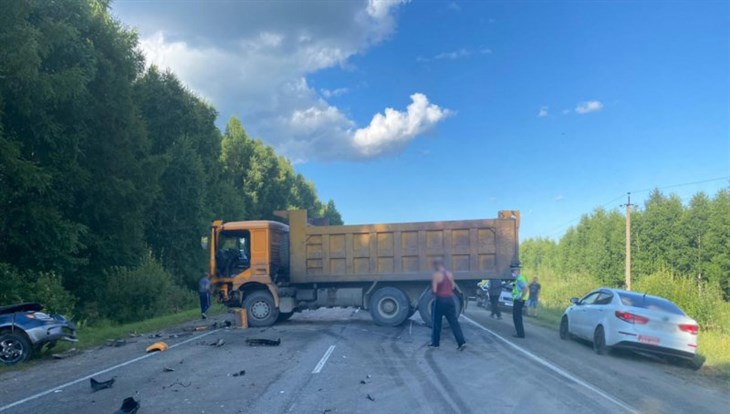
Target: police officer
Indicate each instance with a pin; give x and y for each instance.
(520, 294)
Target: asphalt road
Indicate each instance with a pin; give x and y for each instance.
(338, 361)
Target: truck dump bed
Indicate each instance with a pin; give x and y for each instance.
(471, 249)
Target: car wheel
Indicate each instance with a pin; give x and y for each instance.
(14, 348)
(564, 331)
(260, 308)
(599, 341)
(696, 362)
(389, 306)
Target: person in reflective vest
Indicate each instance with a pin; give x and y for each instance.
(520, 294)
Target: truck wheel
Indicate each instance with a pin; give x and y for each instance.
(389, 306)
(260, 308)
(425, 307)
(14, 348)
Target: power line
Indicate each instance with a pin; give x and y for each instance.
(560, 227)
(683, 184)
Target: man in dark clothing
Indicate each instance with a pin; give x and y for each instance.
(204, 288)
(442, 286)
(495, 290)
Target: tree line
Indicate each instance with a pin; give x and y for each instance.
(110, 172)
(689, 241)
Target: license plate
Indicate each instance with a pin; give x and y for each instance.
(651, 340)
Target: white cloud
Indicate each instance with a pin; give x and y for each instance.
(588, 107)
(543, 112)
(329, 93)
(393, 128)
(257, 69)
(455, 54)
(559, 197)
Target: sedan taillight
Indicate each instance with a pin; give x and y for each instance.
(631, 318)
(692, 329)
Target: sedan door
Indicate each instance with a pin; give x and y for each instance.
(595, 312)
(580, 314)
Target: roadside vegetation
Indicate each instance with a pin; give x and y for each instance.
(111, 171)
(680, 252)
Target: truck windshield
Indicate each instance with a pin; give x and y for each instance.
(233, 253)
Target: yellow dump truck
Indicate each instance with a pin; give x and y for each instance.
(274, 270)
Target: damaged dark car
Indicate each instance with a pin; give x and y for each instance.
(24, 329)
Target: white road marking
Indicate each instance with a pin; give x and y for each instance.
(323, 361)
(103, 371)
(554, 368)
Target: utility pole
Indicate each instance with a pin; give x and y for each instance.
(628, 241)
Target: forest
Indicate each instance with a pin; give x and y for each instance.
(111, 171)
(679, 251)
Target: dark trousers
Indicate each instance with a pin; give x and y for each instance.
(204, 301)
(445, 307)
(517, 317)
(494, 301)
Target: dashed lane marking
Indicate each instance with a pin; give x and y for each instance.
(323, 361)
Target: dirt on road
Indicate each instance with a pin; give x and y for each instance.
(338, 361)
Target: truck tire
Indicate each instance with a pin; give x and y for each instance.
(260, 308)
(425, 307)
(389, 306)
(14, 348)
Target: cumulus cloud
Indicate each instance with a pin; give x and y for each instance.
(252, 60)
(543, 112)
(588, 107)
(394, 127)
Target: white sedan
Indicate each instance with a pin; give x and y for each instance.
(613, 318)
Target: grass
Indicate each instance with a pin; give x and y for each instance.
(91, 336)
(714, 344)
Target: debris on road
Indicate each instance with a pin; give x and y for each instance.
(239, 373)
(66, 354)
(370, 397)
(219, 343)
(155, 335)
(129, 406)
(177, 383)
(100, 385)
(363, 382)
(116, 343)
(134, 334)
(157, 347)
(200, 328)
(263, 342)
(166, 369)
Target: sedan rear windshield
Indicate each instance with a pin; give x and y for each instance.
(649, 302)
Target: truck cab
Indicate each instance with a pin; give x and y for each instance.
(249, 256)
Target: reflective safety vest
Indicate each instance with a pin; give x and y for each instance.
(516, 291)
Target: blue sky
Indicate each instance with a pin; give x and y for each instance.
(552, 108)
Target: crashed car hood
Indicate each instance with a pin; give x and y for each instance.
(21, 307)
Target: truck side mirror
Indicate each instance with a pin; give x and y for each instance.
(575, 301)
(204, 243)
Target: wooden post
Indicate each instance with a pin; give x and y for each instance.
(628, 243)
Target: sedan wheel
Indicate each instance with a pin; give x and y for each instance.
(564, 332)
(599, 341)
